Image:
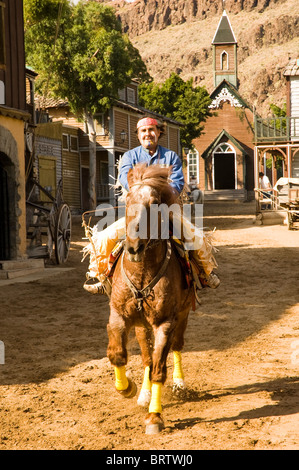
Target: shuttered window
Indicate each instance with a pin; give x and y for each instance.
(73, 143)
(99, 124)
(65, 142)
(295, 107)
(131, 95)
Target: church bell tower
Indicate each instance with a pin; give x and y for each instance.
(225, 53)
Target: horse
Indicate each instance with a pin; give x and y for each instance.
(150, 294)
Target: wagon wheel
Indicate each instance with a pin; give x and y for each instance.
(62, 235)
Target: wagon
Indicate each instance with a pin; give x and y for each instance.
(48, 223)
(286, 192)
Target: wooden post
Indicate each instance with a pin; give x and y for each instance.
(92, 161)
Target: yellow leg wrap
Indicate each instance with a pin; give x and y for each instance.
(177, 371)
(146, 384)
(121, 381)
(155, 404)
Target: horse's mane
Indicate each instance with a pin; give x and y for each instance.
(157, 176)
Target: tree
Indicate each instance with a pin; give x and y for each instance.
(277, 111)
(178, 100)
(81, 55)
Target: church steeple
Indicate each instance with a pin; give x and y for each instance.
(224, 53)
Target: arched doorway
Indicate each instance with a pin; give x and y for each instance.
(9, 196)
(224, 167)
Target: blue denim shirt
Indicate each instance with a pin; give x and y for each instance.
(162, 155)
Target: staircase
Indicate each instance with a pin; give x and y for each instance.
(12, 269)
(225, 195)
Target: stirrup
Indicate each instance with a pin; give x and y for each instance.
(211, 281)
(96, 288)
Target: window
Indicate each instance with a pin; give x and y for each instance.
(65, 142)
(193, 170)
(224, 61)
(2, 35)
(73, 143)
(122, 94)
(131, 95)
(99, 124)
(224, 148)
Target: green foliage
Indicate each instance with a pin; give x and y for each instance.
(81, 53)
(178, 100)
(42, 11)
(277, 111)
(280, 123)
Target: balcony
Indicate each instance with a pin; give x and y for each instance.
(276, 129)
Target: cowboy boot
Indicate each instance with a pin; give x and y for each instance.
(211, 280)
(94, 286)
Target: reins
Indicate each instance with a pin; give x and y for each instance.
(141, 294)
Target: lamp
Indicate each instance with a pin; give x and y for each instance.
(123, 136)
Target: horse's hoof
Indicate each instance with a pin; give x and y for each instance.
(131, 391)
(153, 428)
(178, 385)
(153, 423)
(179, 388)
(144, 398)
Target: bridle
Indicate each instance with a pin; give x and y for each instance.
(141, 294)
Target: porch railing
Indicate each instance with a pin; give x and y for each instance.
(280, 129)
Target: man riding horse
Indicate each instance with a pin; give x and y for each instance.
(149, 131)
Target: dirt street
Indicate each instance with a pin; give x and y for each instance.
(241, 355)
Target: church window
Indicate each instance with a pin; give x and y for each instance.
(224, 60)
(193, 166)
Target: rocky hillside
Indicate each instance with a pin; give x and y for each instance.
(176, 35)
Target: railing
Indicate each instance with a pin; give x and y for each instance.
(280, 197)
(276, 129)
(266, 199)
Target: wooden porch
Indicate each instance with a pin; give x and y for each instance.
(276, 129)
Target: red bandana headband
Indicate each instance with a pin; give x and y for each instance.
(147, 122)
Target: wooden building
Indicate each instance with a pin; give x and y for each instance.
(56, 157)
(14, 120)
(223, 157)
(277, 139)
(115, 134)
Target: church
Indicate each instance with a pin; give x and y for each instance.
(222, 160)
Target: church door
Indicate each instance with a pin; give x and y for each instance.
(224, 168)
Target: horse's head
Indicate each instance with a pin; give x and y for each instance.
(148, 187)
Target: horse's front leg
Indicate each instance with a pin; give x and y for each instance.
(178, 374)
(144, 337)
(177, 346)
(117, 353)
(163, 338)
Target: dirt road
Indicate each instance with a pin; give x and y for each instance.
(241, 356)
